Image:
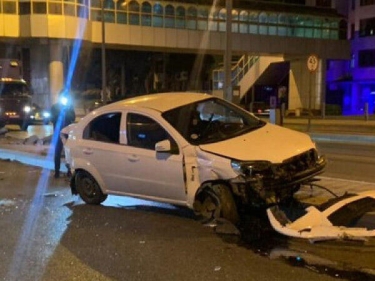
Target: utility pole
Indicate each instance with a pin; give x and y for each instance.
(228, 91)
(104, 75)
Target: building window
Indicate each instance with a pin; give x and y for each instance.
(121, 12)
(25, 8)
(146, 14)
(180, 17)
(39, 8)
(191, 22)
(55, 8)
(366, 58)
(367, 27)
(243, 19)
(157, 19)
(10, 7)
(134, 13)
(352, 31)
(169, 16)
(367, 2)
(323, 3)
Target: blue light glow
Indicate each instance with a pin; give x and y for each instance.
(19, 264)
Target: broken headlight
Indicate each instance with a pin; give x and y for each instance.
(250, 168)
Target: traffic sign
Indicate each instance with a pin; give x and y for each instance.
(312, 63)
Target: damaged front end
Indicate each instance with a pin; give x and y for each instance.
(262, 182)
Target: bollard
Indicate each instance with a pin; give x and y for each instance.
(366, 112)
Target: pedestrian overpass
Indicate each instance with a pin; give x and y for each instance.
(260, 34)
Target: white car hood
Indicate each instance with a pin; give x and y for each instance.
(271, 142)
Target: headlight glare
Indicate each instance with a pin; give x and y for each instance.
(27, 108)
(236, 166)
(46, 114)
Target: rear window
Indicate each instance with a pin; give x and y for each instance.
(104, 128)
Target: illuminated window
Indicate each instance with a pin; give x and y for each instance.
(121, 12)
(133, 12)
(222, 20)
(191, 18)
(202, 18)
(235, 18)
(263, 23)
(146, 14)
(169, 16)
(282, 25)
(253, 18)
(273, 21)
(180, 17)
(157, 19)
(244, 18)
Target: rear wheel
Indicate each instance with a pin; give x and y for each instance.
(215, 202)
(88, 189)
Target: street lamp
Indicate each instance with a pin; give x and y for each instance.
(228, 93)
(104, 75)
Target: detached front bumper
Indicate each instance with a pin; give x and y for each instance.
(278, 181)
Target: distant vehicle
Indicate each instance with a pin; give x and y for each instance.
(187, 149)
(39, 115)
(261, 109)
(15, 96)
(15, 103)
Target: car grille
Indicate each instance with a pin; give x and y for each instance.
(295, 165)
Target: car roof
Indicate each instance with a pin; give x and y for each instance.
(163, 101)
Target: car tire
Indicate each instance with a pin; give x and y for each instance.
(88, 188)
(215, 202)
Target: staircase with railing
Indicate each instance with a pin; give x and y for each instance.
(244, 73)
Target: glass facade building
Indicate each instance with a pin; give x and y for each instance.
(351, 84)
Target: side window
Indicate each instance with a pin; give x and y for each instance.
(144, 132)
(104, 128)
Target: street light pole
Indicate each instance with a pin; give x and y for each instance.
(228, 53)
(104, 75)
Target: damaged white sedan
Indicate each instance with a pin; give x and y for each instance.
(187, 149)
(339, 218)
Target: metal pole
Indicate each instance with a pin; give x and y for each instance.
(228, 95)
(309, 116)
(104, 77)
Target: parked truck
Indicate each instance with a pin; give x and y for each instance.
(15, 96)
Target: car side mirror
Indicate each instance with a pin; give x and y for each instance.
(163, 146)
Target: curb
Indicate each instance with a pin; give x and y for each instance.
(354, 139)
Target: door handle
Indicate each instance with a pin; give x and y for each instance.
(87, 151)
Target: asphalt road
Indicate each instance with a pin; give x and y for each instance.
(49, 235)
(349, 161)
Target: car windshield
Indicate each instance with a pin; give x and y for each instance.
(13, 89)
(211, 120)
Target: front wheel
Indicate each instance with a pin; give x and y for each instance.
(215, 202)
(88, 189)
